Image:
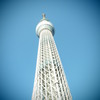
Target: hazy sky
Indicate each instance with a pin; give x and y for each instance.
(77, 37)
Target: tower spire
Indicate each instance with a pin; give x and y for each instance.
(43, 15)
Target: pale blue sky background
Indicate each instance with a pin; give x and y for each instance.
(77, 36)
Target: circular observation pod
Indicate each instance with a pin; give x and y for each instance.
(44, 24)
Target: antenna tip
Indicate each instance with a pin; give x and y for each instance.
(43, 15)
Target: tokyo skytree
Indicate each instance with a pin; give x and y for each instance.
(50, 81)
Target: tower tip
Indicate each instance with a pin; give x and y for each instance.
(43, 15)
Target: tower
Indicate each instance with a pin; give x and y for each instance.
(50, 82)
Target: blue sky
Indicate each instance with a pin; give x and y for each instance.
(77, 37)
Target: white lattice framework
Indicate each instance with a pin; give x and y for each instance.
(50, 81)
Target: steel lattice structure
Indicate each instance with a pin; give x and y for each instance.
(50, 82)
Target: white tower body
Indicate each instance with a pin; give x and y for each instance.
(50, 82)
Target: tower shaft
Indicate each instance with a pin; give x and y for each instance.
(50, 81)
